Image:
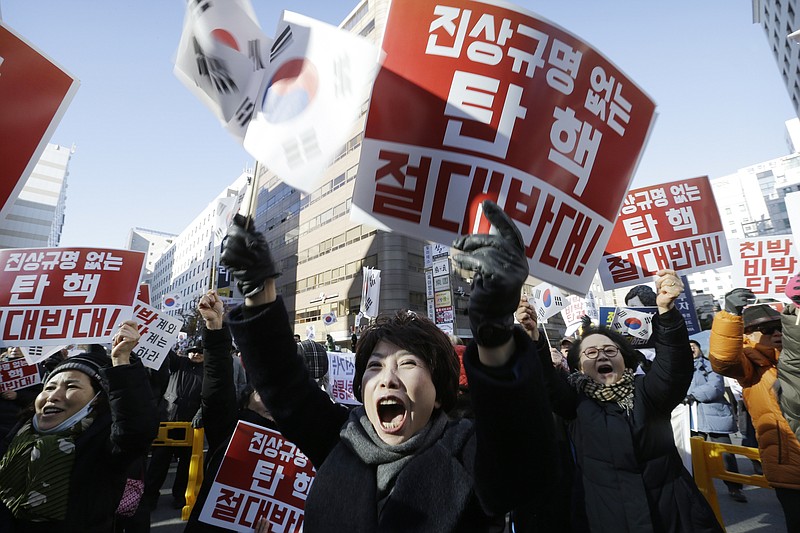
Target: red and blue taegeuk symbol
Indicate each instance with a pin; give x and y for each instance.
(291, 90)
(169, 301)
(546, 299)
(633, 323)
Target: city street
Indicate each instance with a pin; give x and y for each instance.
(762, 512)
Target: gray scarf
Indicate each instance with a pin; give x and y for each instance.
(360, 437)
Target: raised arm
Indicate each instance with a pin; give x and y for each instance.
(666, 383)
(304, 413)
(218, 396)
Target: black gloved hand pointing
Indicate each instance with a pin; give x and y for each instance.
(246, 254)
(500, 269)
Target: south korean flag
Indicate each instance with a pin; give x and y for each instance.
(548, 301)
(632, 323)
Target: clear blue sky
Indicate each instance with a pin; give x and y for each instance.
(149, 154)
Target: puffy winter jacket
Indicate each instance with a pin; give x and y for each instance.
(755, 367)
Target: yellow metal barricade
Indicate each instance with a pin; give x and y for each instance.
(183, 434)
(708, 464)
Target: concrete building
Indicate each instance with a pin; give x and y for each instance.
(751, 204)
(153, 243)
(779, 19)
(184, 268)
(36, 217)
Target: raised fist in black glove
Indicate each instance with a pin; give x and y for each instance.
(500, 268)
(737, 299)
(246, 254)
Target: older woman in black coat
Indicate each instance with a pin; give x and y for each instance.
(63, 469)
(633, 478)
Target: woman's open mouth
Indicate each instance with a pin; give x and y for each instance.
(604, 368)
(392, 414)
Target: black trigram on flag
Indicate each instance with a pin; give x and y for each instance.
(302, 148)
(200, 6)
(213, 69)
(244, 112)
(254, 53)
(280, 44)
(557, 301)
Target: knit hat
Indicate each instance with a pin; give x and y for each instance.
(759, 315)
(90, 363)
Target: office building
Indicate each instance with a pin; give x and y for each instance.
(36, 216)
(779, 19)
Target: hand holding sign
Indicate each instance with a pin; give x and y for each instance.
(526, 316)
(124, 340)
(668, 288)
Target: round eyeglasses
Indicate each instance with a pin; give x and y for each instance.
(609, 351)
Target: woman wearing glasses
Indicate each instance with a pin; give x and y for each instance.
(633, 477)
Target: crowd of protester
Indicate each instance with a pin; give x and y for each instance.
(503, 433)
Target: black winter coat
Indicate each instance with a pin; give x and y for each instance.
(633, 478)
(221, 413)
(181, 401)
(103, 453)
(458, 484)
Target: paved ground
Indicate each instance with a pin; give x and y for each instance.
(761, 514)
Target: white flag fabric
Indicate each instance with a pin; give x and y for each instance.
(221, 59)
(290, 101)
(371, 292)
(547, 300)
(171, 301)
(319, 78)
(633, 323)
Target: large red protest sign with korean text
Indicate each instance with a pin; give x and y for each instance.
(484, 100)
(262, 475)
(51, 295)
(34, 95)
(674, 225)
(764, 264)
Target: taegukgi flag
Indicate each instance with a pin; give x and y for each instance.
(371, 292)
(291, 101)
(486, 100)
(547, 300)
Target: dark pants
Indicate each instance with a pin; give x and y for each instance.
(790, 501)
(159, 467)
(728, 458)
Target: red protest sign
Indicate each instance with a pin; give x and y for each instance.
(34, 94)
(18, 374)
(765, 265)
(480, 100)
(49, 295)
(262, 475)
(674, 225)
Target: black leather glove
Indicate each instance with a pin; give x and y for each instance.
(246, 254)
(500, 268)
(737, 299)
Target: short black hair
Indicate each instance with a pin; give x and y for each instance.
(625, 348)
(646, 295)
(418, 335)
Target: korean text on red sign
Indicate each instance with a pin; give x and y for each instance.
(49, 295)
(674, 225)
(262, 475)
(764, 264)
(481, 100)
(18, 374)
